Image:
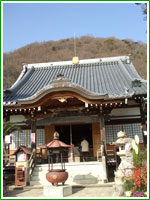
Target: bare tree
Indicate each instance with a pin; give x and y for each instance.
(144, 9)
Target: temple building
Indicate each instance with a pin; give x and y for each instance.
(91, 98)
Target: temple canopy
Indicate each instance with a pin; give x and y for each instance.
(57, 144)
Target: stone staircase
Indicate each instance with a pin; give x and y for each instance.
(79, 173)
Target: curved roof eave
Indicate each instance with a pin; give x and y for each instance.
(50, 89)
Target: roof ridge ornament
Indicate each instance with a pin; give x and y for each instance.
(56, 135)
(126, 90)
(60, 78)
(128, 60)
(136, 83)
(75, 60)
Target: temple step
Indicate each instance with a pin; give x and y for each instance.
(79, 173)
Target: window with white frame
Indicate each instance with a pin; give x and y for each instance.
(29, 138)
(130, 129)
(40, 139)
(15, 140)
(24, 138)
(109, 133)
(137, 130)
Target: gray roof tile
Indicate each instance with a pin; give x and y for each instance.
(110, 78)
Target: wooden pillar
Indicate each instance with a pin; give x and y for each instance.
(71, 157)
(33, 131)
(96, 137)
(102, 130)
(49, 133)
(70, 134)
(103, 142)
(98, 134)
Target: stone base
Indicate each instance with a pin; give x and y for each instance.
(118, 188)
(57, 191)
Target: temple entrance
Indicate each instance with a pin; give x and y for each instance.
(64, 133)
(75, 134)
(79, 132)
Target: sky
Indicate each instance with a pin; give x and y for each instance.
(25, 23)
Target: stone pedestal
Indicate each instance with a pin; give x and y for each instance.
(124, 170)
(104, 172)
(70, 158)
(118, 186)
(126, 165)
(74, 155)
(77, 159)
(57, 191)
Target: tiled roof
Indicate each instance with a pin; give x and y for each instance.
(24, 149)
(114, 76)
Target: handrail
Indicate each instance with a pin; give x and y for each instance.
(31, 163)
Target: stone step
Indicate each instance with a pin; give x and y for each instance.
(79, 173)
(75, 171)
(39, 178)
(43, 166)
(72, 174)
(69, 181)
(39, 183)
(79, 176)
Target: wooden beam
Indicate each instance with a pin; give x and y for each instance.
(66, 109)
(69, 120)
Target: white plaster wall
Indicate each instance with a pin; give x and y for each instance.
(125, 111)
(17, 118)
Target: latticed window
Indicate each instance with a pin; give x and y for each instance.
(130, 129)
(28, 132)
(15, 140)
(109, 133)
(40, 138)
(137, 130)
(24, 138)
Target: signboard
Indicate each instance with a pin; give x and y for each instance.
(7, 139)
(145, 132)
(21, 156)
(32, 138)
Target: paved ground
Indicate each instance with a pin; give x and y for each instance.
(82, 191)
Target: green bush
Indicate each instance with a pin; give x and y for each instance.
(109, 42)
(128, 185)
(136, 156)
(142, 157)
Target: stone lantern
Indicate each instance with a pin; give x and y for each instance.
(125, 153)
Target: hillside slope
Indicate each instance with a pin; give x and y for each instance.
(87, 47)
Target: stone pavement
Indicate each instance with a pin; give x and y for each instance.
(105, 190)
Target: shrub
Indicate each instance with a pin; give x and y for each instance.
(137, 183)
(128, 184)
(140, 177)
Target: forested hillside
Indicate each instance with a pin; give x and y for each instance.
(87, 47)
